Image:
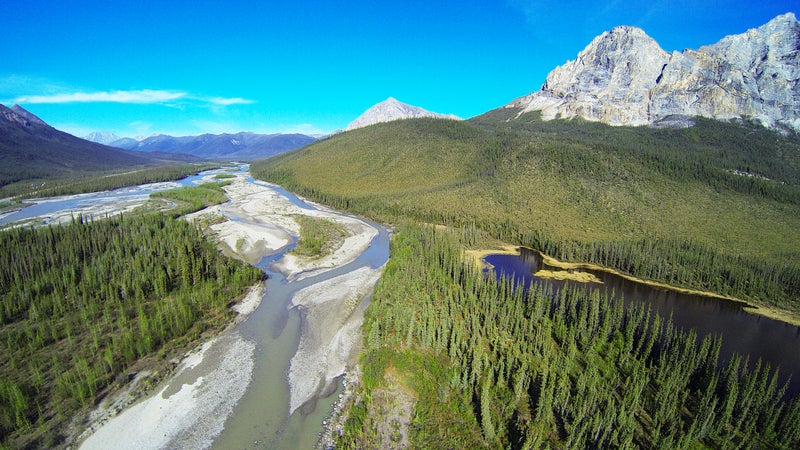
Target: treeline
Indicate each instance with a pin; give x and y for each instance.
(660, 204)
(689, 264)
(679, 262)
(710, 151)
(544, 369)
(194, 198)
(94, 182)
(82, 302)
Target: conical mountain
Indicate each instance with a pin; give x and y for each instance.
(391, 109)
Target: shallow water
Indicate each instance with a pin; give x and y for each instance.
(775, 342)
(261, 417)
(38, 207)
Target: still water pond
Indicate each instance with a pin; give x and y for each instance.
(773, 341)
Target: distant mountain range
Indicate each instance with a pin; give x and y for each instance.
(30, 148)
(240, 146)
(102, 137)
(391, 109)
(623, 77)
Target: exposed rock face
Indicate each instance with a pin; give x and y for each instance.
(389, 110)
(21, 116)
(102, 137)
(624, 78)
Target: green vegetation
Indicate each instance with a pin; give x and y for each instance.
(193, 198)
(318, 237)
(39, 151)
(670, 205)
(224, 176)
(84, 305)
(94, 182)
(6, 205)
(485, 365)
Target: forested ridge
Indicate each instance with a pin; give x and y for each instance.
(491, 366)
(82, 303)
(94, 182)
(714, 207)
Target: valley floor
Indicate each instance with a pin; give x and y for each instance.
(193, 405)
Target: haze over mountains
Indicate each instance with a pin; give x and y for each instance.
(238, 146)
(30, 148)
(623, 77)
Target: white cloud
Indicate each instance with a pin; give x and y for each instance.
(229, 101)
(36, 90)
(137, 96)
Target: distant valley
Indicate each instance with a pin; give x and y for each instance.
(243, 146)
(31, 149)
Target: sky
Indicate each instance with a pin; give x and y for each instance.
(137, 68)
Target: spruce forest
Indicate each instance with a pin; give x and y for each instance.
(87, 303)
(668, 205)
(471, 362)
(492, 366)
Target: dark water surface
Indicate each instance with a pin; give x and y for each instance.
(771, 340)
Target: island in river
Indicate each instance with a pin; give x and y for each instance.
(298, 339)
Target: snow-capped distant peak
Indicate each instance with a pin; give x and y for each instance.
(102, 137)
(391, 109)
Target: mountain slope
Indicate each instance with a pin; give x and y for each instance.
(239, 146)
(567, 186)
(29, 148)
(624, 78)
(389, 110)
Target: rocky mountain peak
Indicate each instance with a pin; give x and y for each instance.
(20, 115)
(389, 110)
(22, 112)
(102, 137)
(623, 77)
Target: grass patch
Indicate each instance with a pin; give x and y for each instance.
(318, 237)
(194, 198)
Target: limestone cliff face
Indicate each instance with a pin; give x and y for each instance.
(624, 78)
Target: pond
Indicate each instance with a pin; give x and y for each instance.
(775, 342)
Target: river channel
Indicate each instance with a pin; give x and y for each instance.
(238, 385)
(111, 202)
(775, 342)
(261, 418)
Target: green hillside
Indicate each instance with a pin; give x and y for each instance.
(715, 206)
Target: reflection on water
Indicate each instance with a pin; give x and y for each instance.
(773, 341)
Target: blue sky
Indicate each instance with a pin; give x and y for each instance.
(188, 67)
